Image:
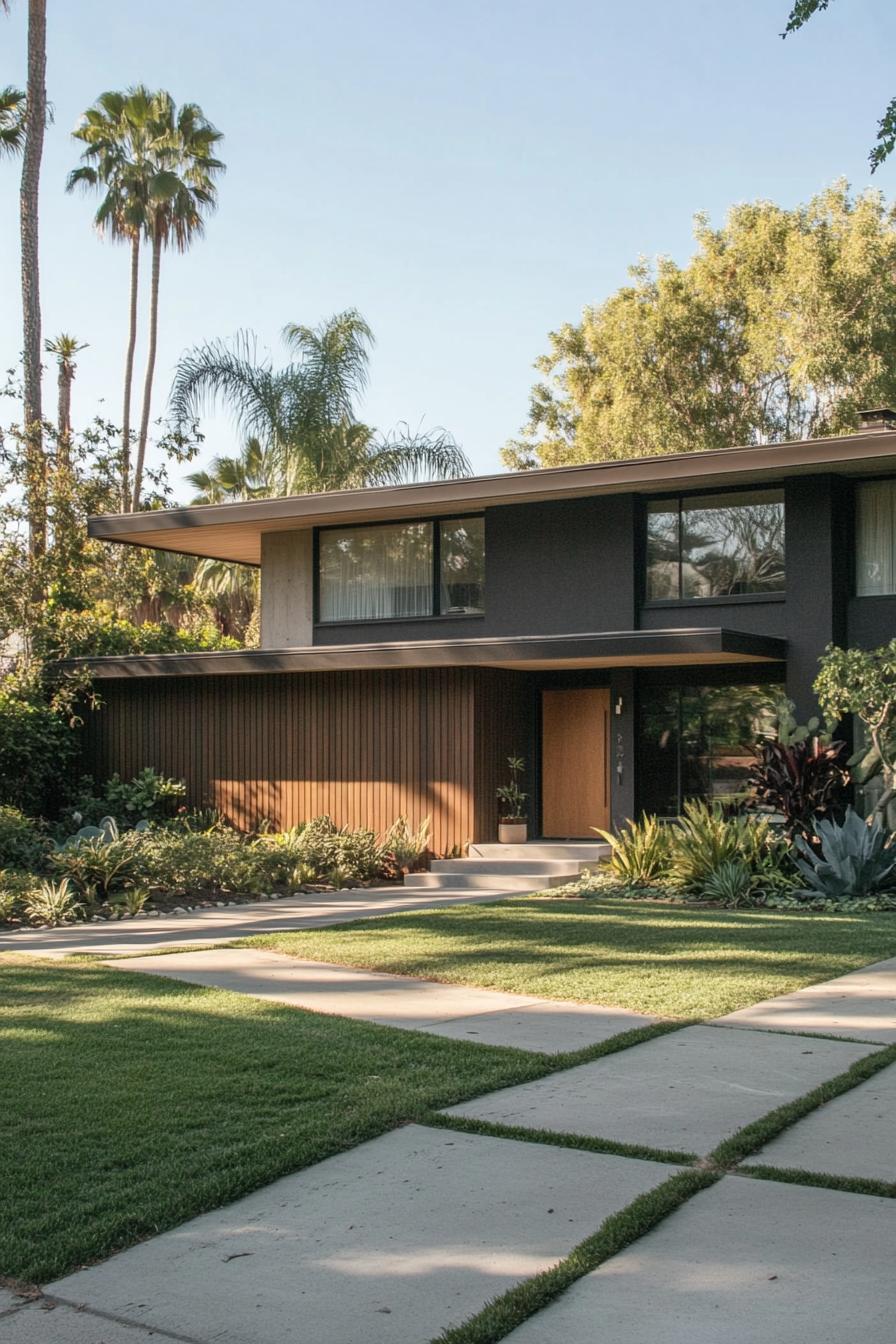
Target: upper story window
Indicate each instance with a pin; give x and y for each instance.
(394, 571)
(715, 545)
(876, 538)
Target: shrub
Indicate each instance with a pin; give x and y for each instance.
(97, 865)
(37, 749)
(402, 849)
(22, 841)
(97, 631)
(200, 861)
(857, 860)
(705, 839)
(132, 899)
(323, 847)
(801, 773)
(53, 903)
(640, 852)
(148, 796)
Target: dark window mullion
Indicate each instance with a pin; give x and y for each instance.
(680, 549)
(437, 568)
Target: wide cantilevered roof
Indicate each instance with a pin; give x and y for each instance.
(623, 648)
(234, 531)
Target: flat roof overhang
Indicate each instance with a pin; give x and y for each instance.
(234, 531)
(627, 648)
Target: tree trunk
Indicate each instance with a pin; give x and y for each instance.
(35, 122)
(129, 379)
(150, 368)
(64, 415)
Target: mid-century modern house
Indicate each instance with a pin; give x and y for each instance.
(624, 626)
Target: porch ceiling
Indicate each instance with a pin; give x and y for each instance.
(627, 648)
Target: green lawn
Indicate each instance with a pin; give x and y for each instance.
(129, 1103)
(663, 959)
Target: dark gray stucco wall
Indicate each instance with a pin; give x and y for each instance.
(564, 566)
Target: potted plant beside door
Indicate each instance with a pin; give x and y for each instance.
(512, 809)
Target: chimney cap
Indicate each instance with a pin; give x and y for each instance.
(880, 418)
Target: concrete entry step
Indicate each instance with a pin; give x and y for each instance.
(584, 851)
(490, 881)
(562, 867)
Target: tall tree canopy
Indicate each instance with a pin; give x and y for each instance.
(782, 326)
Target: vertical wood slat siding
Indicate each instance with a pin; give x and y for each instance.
(364, 746)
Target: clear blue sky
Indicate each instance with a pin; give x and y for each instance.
(469, 176)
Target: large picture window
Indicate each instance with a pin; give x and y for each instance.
(395, 571)
(876, 538)
(696, 741)
(715, 546)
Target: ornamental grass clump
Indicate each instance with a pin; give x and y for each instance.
(53, 903)
(639, 854)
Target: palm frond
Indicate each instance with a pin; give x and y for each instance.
(404, 458)
(217, 372)
(12, 120)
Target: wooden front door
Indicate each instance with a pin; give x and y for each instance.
(575, 775)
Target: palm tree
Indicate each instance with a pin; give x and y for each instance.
(300, 423)
(12, 120)
(118, 159)
(65, 348)
(182, 192)
(32, 151)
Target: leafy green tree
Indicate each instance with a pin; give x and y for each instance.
(800, 14)
(299, 422)
(863, 682)
(782, 326)
(119, 135)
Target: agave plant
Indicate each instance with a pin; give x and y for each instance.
(640, 852)
(730, 884)
(857, 860)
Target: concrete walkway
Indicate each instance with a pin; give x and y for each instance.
(486, 1016)
(861, 1004)
(117, 937)
(414, 1232)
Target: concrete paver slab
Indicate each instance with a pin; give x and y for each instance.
(386, 1244)
(861, 1004)
(116, 937)
(853, 1135)
(743, 1262)
(461, 1012)
(547, 1026)
(392, 1000)
(43, 1323)
(684, 1092)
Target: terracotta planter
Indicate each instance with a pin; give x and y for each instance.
(512, 832)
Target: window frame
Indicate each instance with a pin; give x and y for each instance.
(855, 505)
(434, 614)
(677, 499)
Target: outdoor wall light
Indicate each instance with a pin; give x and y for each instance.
(618, 705)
